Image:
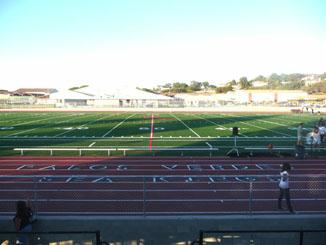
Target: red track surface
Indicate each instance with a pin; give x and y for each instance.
(157, 185)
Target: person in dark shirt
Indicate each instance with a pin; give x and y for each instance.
(22, 220)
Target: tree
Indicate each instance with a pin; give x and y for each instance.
(195, 86)
(233, 82)
(205, 85)
(274, 77)
(167, 85)
(294, 85)
(260, 78)
(244, 83)
(323, 76)
(317, 88)
(179, 87)
(223, 89)
(76, 88)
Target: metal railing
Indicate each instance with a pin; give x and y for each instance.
(51, 237)
(124, 151)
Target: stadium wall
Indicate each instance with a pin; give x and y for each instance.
(168, 230)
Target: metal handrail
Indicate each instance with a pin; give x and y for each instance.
(97, 233)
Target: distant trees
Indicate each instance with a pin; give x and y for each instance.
(274, 81)
(78, 87)
(323, 76)
(317, 88)
(179, 87)
(260, 78)
(244, 83)
(205, 85)
(294, 85)
(224, 89)
(195, 86)
(232, 83)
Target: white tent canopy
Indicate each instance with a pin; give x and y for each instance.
(68, 94)
(121, 93)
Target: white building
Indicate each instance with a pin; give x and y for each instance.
(242, 97)
(267, 96)
(110, 97)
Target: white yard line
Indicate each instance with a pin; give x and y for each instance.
(117, 125)
(92, 144)
(17, 120)
(28, 130)
(185, 125)
(252, 125)
(57, 135)
(40, 120)
(278, 124)
(285, 121)
(215, 123)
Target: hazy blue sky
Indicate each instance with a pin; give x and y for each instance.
(55, 43)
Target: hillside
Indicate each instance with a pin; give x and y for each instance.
(312, 83)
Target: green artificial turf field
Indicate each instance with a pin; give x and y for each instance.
(145, 133)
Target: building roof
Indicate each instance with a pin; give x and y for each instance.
(68, 94)
(34, 91)
(3, 91)
(121, 93)
(103, 93)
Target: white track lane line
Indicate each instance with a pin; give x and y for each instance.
(92, 144)
(186, 125)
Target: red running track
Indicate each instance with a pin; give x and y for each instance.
(138, 185)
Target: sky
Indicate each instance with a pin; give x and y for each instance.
(144, 43)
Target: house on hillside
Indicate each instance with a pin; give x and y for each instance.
(311, 79)
(258, 84)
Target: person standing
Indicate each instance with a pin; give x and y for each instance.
(299, 133)
(22, 220)
(284, 187)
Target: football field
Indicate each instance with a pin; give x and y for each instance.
(143, 133)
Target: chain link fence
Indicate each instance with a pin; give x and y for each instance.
(158, 194)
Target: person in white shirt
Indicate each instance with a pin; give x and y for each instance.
(284, 187)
